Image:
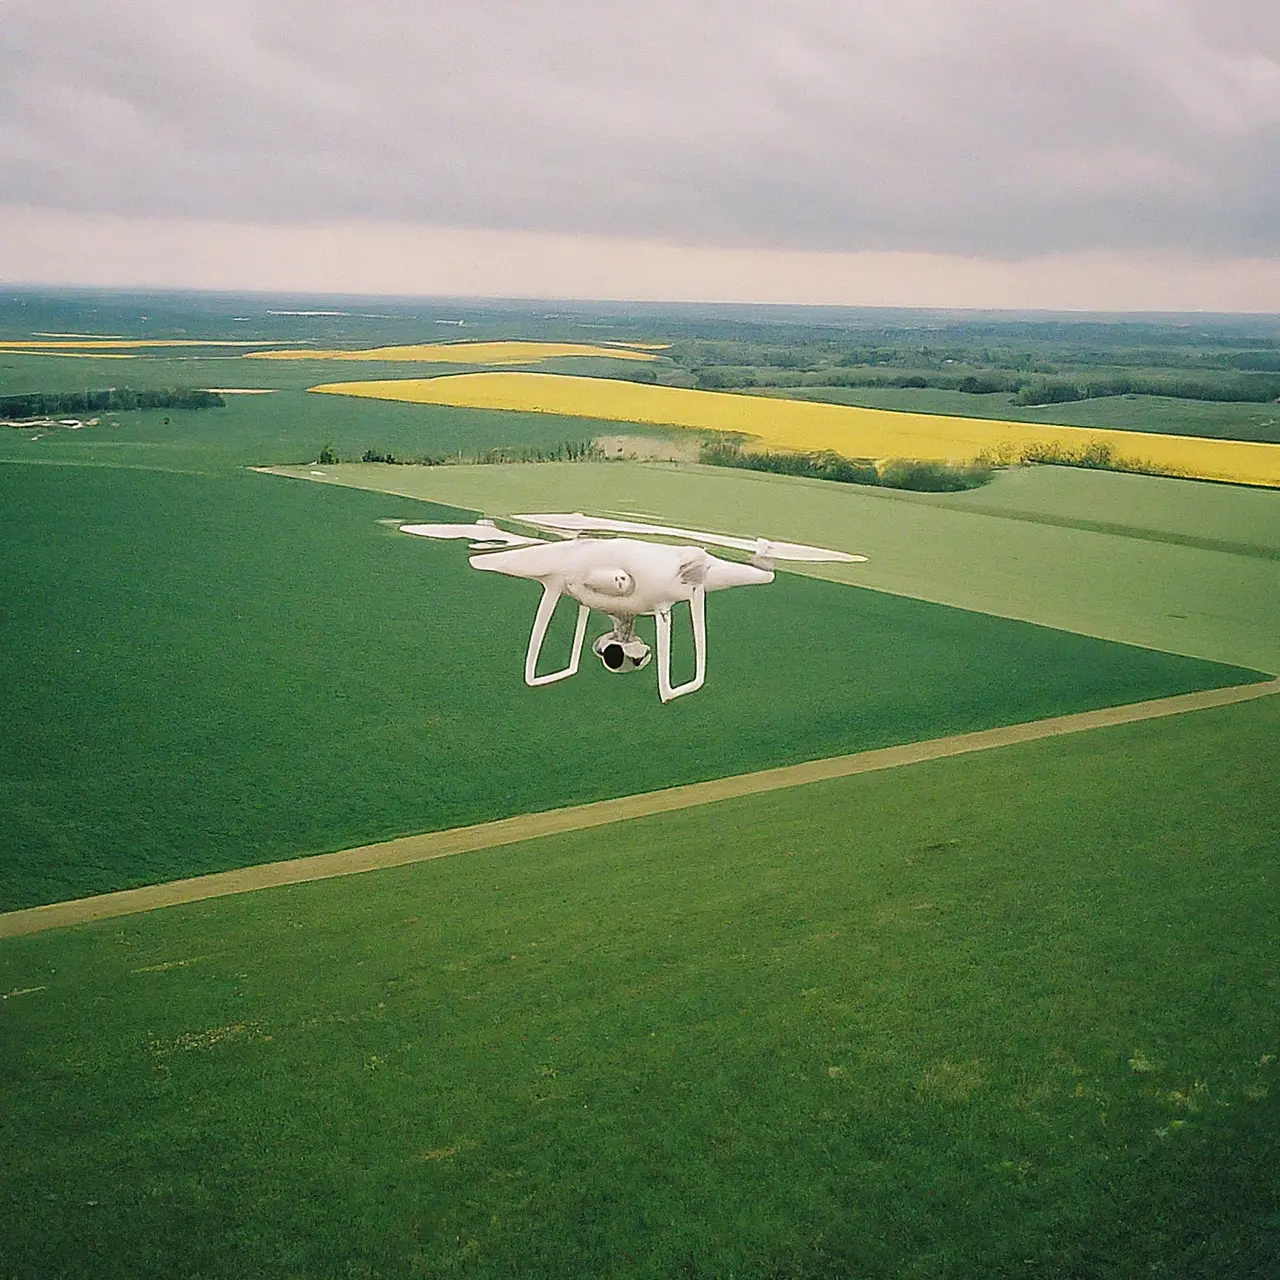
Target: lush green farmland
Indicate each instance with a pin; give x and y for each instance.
(284, 427)
(1151, 508)
(806, 353)
(1171, 564)
(1005, 1015)
(192, 680)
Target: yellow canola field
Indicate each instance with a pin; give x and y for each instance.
(463, 353)
(803, 425)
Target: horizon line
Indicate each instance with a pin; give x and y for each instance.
(500, 299)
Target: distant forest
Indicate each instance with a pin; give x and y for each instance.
(1031, 379)
(37, 404)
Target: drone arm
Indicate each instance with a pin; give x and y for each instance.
(546, 607)
(698, 612)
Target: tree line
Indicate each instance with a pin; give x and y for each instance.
(921, 475)
(1255, 388)
(562, 451)
(37, 404)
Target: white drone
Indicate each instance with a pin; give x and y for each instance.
(624, 578)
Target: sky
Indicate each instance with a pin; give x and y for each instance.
(1104, 154)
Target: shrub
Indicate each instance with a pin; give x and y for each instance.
(898, 473)
(1097, 455)
(933, 477)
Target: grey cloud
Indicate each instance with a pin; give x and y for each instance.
(1003, 127)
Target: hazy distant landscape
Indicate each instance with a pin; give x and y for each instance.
(1199, 374)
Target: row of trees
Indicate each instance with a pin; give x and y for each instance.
(1254, 388)
(562, 451)
(898, 473)
(1258, 388)
(38, 404)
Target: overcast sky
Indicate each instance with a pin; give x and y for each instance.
(1012, 152)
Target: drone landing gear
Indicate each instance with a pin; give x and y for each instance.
(621, 649)
(698, 613)
(546, 607)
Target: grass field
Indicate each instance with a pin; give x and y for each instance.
(285, 427)
(803, 425)
(1171, 564)
(96, 348)
(478, 353)
(209, 366)
(193, 684)
(1009, 1015)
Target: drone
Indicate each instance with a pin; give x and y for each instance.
(623, 577)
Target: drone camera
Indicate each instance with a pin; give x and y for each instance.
(621, 656)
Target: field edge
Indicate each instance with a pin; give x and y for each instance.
(406, 850)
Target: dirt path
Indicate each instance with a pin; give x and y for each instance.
(488, 835)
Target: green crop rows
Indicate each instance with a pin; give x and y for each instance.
(211, 672)
(1005, 1015)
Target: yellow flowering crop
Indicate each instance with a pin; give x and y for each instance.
(463, 353)
(807, 426)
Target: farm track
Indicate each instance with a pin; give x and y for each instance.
(488, 835)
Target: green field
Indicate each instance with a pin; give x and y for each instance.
(1005, 1015)
(193, 681)
(1173, 564)
(288, 426)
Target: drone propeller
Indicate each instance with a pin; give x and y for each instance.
(575, 523)
(487, 535)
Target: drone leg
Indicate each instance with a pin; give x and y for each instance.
(698, 613)
(546, 607)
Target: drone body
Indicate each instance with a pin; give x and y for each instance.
(625, 578)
